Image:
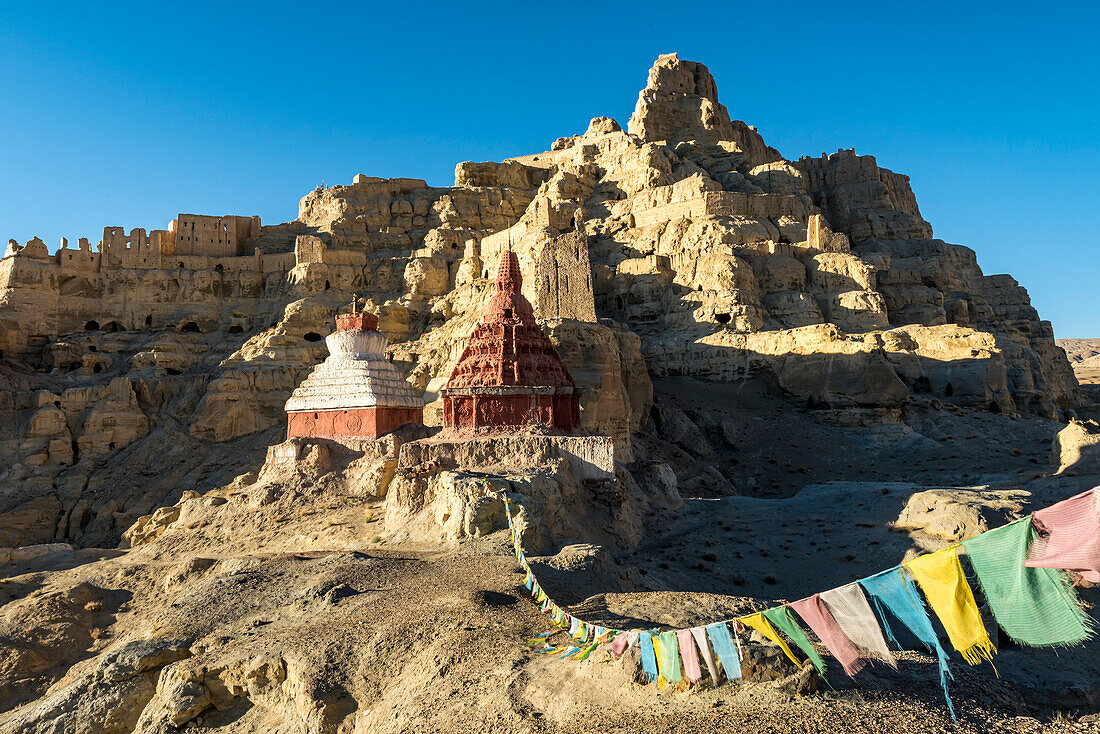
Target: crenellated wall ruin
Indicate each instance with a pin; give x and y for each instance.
(187, 235)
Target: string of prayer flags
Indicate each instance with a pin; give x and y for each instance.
(586, 651)
(853, 615)
(541, 638)
(1069, 536)
(761, 624)
(782, 620)
(893, 593)
(689, 656)
(571, 649)
(815, 614)
(724, 649)
(700, 635)
(1018, 566)
(944, 584)
(1034, 606)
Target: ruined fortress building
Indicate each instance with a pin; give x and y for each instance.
(356, 392)
(510, 375)
(196, 234)
(189, 236)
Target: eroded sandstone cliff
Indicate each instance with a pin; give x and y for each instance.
(681, 247)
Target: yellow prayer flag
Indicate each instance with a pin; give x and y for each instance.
(944, 584)
(759, 623)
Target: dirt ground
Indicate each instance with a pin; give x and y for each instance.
(279, 607)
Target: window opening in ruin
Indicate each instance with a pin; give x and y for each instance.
(507, 313)
(722, 318)
(219, 267)
(235, 329)
(93, 348)
(949, 390)
(190, 327)
(327, 285)
(312, 336)
(111, 445)
(149, 320)
(97, 368)
(91, 326)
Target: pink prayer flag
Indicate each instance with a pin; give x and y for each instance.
(703, 643)
(689, 656)
(817, 616)
(1069, 536)
(619, 644)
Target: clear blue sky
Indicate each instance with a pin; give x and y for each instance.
(126, 114)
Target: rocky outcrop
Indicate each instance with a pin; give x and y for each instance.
(937, 517)
(1076, 449)
(680, 102)
(682, 245)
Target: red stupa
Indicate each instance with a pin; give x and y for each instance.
(510, 376)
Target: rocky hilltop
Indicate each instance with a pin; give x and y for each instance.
(762, 338)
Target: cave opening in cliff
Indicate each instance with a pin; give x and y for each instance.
(312, 336)
(91, 326)
(190, 327)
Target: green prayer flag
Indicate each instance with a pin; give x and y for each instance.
(670, 657)
(781, 619)
(1034, 606)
